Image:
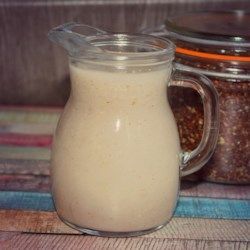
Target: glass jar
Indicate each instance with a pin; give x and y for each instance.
(216, 44)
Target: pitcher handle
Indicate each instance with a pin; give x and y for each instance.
(184, 77)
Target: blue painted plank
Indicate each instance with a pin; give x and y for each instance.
(213, 208)
(195, 207)
(26, 201)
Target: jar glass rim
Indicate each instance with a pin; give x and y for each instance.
(128, 47)
(195, 35)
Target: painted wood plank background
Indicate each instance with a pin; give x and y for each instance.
(192, 207)
(26, 128)
(24, 182)
(65, 242)
(23, 140)
(29, 116)
(40, 182)
(24, 166)
(39, 121)
(177, 228)
(46, 81)
(16, 152)
(208, 215)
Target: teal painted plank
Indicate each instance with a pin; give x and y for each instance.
(195, 207)
(28, 117)
(213, 208)
(27, 153)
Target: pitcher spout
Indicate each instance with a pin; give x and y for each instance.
(75, 42)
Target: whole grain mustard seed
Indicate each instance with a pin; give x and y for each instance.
(212, 44)
(230, 162)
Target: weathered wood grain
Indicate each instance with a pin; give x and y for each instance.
(38, 180)
(93, 2)
(33, 222)
(33, 241)
(24, 166)
(27, 125)
(25, 183)
(178, 228)
(192, 207)
(37, 70)
(213, 190)
(32, 108)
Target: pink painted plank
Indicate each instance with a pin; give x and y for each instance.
(25, 140)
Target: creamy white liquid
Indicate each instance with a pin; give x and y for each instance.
(115, 157)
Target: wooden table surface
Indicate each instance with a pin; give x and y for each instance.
(208, 216)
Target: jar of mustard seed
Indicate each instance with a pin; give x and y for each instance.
(216, 44)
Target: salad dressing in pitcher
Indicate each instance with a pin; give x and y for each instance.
(117, 150)
(116, 158)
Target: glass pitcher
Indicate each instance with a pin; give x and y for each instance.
(116, 157)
